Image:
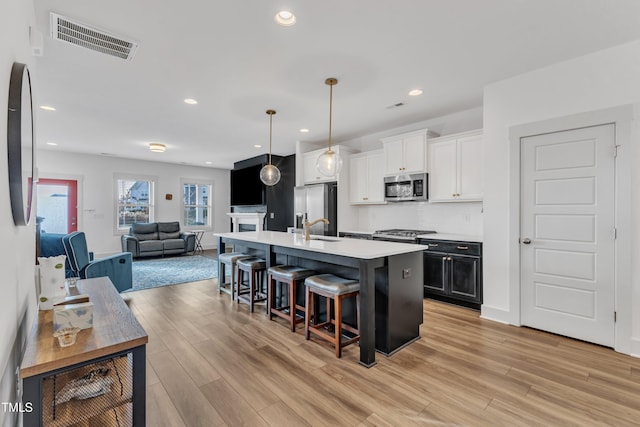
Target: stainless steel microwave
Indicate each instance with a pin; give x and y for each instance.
(406, 187)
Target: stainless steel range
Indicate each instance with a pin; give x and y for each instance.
(400, 235)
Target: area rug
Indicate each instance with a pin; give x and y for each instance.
(153, 273)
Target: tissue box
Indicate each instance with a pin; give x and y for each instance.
(73, 315)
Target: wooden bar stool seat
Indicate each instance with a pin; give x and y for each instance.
(252, 293)
(230, 259)
(335, 289)
(292, 276)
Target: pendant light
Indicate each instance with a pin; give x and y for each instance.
(270, 174)
(329, 163)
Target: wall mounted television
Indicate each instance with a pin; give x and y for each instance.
(246, 187)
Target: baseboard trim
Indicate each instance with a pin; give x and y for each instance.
(635, 347)
(495, 314)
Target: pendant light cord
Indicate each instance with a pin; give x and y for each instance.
(330, 112)
(270, 133)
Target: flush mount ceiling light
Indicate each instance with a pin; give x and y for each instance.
(329, 162)
(51, 143)
(285, 18)
(257, 146)
(157, 148)
(270, 174)
(304, 130)
(190, 101)
(415, 92)
(47, 108)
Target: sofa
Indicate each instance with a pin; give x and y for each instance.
(158, 239)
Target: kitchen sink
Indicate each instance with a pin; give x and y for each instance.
(325, 238)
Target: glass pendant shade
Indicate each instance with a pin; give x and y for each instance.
(329, 163)
(270, 174)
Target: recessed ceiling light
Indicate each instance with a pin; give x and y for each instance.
(157, 148)
(190, 101)
(208, 163)
(257, 146)
(304, 130)
(285, 18)
(47, 108)
(51, 143)
(415, 92)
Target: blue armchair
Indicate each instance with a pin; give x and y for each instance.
(80, 262)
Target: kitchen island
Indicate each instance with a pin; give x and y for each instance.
(390, 276)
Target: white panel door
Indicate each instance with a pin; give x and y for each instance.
(567, 233)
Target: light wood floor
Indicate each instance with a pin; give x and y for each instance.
(211, 363)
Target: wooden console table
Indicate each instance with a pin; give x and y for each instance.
(115, 342)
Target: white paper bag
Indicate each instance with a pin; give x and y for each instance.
(51, 280)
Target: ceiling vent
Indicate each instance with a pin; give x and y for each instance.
(396, 105)
(79, 34)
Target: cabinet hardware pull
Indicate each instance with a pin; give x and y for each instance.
(433, 244)
(464, 248)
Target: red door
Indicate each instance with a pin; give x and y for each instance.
(58, 205)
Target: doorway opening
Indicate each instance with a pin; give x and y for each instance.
(57, 205)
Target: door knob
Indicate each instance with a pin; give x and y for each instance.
(526, 241)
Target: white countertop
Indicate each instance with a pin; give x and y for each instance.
(452, 236)
(354, 248)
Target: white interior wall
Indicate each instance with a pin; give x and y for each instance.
(601, 80)
(17, 252)
(96, 193)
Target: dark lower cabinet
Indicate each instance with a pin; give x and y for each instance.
(453, 272)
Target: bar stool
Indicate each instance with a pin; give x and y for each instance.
(290, 275)
(335, 289)
(255, 268)
(230, 259)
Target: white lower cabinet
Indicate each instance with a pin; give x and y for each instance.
(366, 182)
(455, 167)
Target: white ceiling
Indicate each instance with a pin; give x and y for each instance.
(232, 57)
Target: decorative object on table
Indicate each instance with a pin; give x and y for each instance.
(270, 174)
(73, 311)
(329, 163)
(96, 383)
(20, 144)
(66, 336)
(153, 273)
(52, 282)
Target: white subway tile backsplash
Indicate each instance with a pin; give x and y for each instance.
(459, 218)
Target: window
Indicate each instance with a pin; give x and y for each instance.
(135, 201)
(196, 204)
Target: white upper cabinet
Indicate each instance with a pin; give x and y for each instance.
(406, 153)
(366, 182)
(311, 175)
(455, 167)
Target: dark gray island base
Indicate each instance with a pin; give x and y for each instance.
(390, 276)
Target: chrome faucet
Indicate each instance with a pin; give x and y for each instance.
(307, 226)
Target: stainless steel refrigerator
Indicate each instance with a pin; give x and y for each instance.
(317, 201)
